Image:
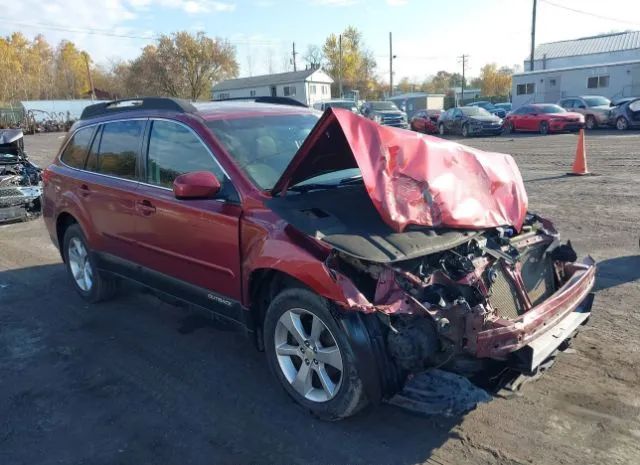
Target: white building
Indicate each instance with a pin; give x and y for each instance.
(307, 86)
(607, 65)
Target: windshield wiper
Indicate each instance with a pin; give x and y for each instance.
(319, 186)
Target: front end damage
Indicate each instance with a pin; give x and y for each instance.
(501, 295)
(20, 180)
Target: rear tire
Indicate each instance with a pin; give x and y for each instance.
(544, 128)
(294, 359)
(92, 285)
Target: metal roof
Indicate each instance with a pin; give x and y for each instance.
(414, 95)
(571, 68)
(266, 80)
(57, 109)
(604, 43)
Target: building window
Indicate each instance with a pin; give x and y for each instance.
(552, 82)
(526, 89)
(289, 91)
(223, 95)
(324, 90)
(312, 89)
(252, 93)
(595, 82)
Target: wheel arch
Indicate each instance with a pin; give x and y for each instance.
(63, 221)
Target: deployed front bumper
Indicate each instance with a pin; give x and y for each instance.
(540, 331)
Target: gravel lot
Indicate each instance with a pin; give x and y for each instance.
(137, 381)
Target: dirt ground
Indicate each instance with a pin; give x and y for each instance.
(137, 381)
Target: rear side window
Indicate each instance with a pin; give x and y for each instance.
(119, 148)
(175, 150)
(76, 150)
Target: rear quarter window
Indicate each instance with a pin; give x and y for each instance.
(76, 150)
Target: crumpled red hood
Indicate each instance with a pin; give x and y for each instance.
(414, 178)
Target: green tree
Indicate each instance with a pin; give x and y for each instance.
(357, 65)
(495, 81)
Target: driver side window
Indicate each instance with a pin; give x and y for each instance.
(174, 150)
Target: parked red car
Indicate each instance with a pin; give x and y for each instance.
(354, 254)
(425, 121)
(543, 118)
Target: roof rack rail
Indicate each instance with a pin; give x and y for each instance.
(266, 99)
(143, 103)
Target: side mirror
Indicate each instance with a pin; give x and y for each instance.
(196, 185)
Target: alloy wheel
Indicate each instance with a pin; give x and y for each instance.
(465, 131)
(441, 129)
(544, 128)
(590, 122)
(79, 264)
(308, 355)
(621, 124)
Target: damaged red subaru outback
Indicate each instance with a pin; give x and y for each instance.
(354, 254)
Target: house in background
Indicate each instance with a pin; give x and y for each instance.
(607, 64)
(307, 86)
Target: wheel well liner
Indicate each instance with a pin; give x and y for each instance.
(63, 221)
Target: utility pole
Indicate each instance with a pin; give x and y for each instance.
(340, 66)
(93, 90)
(293, 54)
(390, 66)
(533, 35)
(463, 59)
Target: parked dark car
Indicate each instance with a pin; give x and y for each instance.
(385, 113)
(506, 106)
(594, 108)
(490, 107)
(336, 103)
(339, 245)
(626, 114)
(543, 118)
(425, 121)
(469, 121)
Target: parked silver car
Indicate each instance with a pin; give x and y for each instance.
(595, 109)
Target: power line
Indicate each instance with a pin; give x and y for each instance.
(588, 13)
(107, 33)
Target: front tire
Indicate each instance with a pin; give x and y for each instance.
(92, 285)
(311, 356)
(590, 122)
(508, 128)
(465, 130)
(622, 124)
(441, 129)
(544, 128)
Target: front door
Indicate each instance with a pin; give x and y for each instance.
(195, 242)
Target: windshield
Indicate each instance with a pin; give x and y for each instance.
(263, 146)
(475, 111)
(549, 109)
(485, 105)
(597, 101)
(384, 106)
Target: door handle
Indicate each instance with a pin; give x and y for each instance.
(145, 207)
(84, 191)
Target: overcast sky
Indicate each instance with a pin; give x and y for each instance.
(428, 34)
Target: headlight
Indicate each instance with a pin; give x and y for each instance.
(377, 118)
(499, 121)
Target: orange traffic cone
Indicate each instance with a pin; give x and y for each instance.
(580, 164)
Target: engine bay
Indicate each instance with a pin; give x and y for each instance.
(20, 179)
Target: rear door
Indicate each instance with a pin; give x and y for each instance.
(109, 184)
(194, 242)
